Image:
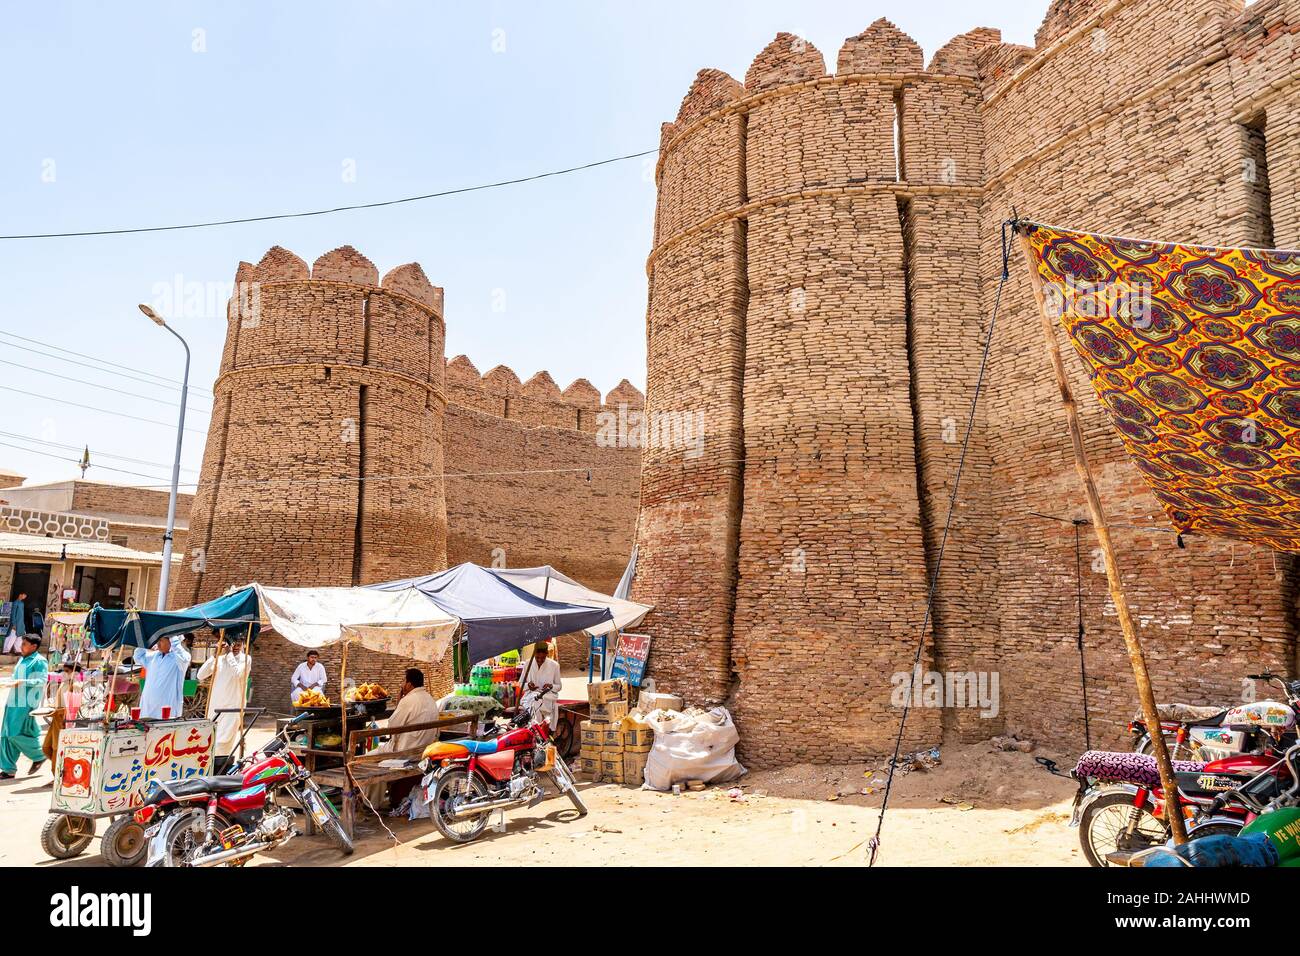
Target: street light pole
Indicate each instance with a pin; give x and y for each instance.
(165, 579)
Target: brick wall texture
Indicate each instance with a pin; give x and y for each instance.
(825, 260)
(345, 450)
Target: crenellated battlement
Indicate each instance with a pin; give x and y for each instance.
(537, 402)
(344, 264)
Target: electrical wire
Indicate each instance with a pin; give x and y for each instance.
(126, 370)
(93, 451)
(109, 388)
(335, 209)
(77, 461)
(105, 411)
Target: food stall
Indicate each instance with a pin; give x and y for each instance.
(68, 639)
(109, 758)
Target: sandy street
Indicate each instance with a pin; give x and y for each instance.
(977, 808)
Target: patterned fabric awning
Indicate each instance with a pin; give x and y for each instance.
(1194, 354)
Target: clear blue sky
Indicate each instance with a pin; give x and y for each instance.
(114, 120)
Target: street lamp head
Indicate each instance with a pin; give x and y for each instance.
(153, 316)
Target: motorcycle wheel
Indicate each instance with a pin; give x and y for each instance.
(1176, 750)
(178, 833)
(1215, 829)
(322, 812)
(563, 779)
(453, 788)
(1102, 828)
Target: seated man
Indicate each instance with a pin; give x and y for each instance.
(417, 706)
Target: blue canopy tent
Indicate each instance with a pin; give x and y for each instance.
(237, 610)
(496, 615)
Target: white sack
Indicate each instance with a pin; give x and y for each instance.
(694, 745)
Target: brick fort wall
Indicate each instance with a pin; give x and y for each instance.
(825, 260)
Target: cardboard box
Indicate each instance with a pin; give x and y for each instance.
(609, 712)
(648, 702)
(611, 736)
(589, 764)
(638, 739)
(602, 692)
(634, 769)
(611, 767)
(589, 733)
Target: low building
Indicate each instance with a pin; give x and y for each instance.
(83, 542)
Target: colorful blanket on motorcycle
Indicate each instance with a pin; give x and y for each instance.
(1194, 353)
(1120, 767)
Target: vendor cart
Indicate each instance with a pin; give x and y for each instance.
(105, 772)
(106, 766)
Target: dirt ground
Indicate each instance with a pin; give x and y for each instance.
(978, 807)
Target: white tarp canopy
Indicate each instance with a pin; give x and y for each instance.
(546, 582)
(405, 622)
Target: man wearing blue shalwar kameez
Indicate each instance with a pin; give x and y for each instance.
(19, 733)
(17, 623)
(164, 681)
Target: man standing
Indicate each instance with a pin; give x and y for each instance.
(231, 667)
(164, 682)
(543, 675)
(309, 675)
(17, 624)
(19, 733)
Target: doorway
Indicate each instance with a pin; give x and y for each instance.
(34, 580)
(103, 586)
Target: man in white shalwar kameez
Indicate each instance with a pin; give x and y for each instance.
(542, 674)
(164, 683)
(309, 675)
(231, 667)
(417, 706)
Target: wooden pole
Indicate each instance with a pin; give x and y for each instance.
(246, 672)
(1137, 659)
(349, 784)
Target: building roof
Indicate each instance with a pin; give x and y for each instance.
(37, 547)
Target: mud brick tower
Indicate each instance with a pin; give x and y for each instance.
(329, 376)
(824, 263)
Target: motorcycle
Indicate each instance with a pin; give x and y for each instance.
(1267, 841)
(466, 781)
(1211, 733)
(1120, 807)
(226, 820)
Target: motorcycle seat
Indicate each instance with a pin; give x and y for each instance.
(1185, 713)
(203, 785)
(1138, 769)
(479, 747)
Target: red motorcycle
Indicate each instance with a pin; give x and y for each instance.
(1207, 733)
(1120, 807)
(225, 820)
(466, 781)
